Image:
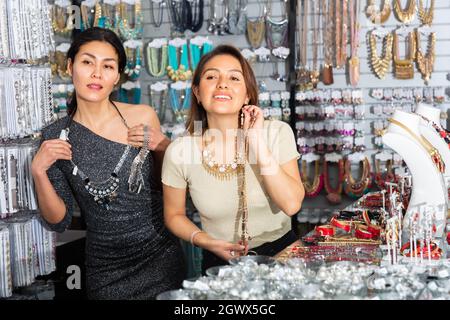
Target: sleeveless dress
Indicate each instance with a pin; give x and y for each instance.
(129, 252)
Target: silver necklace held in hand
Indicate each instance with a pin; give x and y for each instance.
(104, 191)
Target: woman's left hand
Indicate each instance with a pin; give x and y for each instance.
(157, 141)
(253, 117)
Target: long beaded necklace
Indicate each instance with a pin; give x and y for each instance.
(125, 30)
(61, 26)
(404, 69)
(354, 43)
(432, 152)
(133, 66)
(303, 74)
(313, 188)
(87, 15)
(315, 73)
(407, 15)
(256, 31)
(276, 31)
(180, 108)
(159, 89)
(157, 52)
(105, 17)
(377, 16)
(327, 36)
(178, 70)
(104, 191)
(161, 4)
(380, 65)
(179, 14)
(334, 194)
(341, 33)
(426, 16)
(425, 63)
(355, 188)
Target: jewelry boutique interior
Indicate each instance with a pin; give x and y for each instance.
(364, 85)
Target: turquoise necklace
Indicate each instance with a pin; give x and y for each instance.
(180, 109)
(126, 32)
(133, 67)
(178, 70)
(197, 50)
(130, 87)
(152, 55)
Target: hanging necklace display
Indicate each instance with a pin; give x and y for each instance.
(327, 36)
(256, 29)
(134, 52)
(178, 69)
(105, 18)
(87, 9)
(198, 46)
(341, 33)
(218, 26)
(180, 100)
(125, 31)
(353, 188)
(375, 15)
(315, 73)
(380, 65)
(4, 37)
(433, 152)
(303, 73)
(133, 87)
(196, 15)
(105, 191)
(312, 189)
(425, 63)
(353, 62)
(276, 31)
(60, 58)
(61, 26)
(426, 16)
(179, 14)
(333, 194)
(407, 15)
(404, 69)
(159, 90)
(157, 53)
(237, 16)
(156, 21)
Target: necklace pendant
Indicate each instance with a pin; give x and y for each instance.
(75, 171)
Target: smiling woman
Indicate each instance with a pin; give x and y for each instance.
(90, 156)
(241, 171)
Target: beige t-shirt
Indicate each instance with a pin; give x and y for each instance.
(217, 200)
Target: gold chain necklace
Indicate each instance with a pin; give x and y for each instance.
(374, 13)
(314, 187)
(381, 65)
(433, 152)
(426, 16)
(353, 187)
(404, 68)
(425, 63)
(407, 15)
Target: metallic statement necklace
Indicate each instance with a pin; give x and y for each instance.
(426, 16)
(380, 65)
(104, 191)
(407, 15)
(404, 68)
(276, 31)
(425, 63)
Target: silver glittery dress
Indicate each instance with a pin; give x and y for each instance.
(129, 252)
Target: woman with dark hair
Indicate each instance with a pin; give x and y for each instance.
(241, 171)
(92, 156)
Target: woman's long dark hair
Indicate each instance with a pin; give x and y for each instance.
(89, 35)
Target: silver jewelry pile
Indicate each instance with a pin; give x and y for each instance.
(299, 279)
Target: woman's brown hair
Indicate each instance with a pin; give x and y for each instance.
(197, 112)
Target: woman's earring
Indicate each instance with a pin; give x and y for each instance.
(242, 119)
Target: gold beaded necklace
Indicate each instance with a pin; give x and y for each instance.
(426, 16)
(425, 63)
(374, 13)
(404, 68)
(407, 15)
(380, 65)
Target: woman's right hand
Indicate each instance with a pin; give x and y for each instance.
(49, 152)
(225, 250)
